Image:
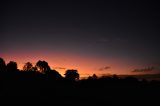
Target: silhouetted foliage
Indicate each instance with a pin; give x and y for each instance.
(72, 75)
(42, 66)
(28, 67)
(93, 77)
(48, 85)
(2, 65)
(115, 77)
(12, 66)
(53, 74)
(131, 79)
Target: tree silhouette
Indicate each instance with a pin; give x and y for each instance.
(28, 67)
(2, 65)
(12, 66)
(30, 83)
(42, 66)
(115, 77)
(72, 75)
(53, 74)
(94, 76)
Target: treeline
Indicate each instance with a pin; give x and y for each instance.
(40, 81)
(41, 67)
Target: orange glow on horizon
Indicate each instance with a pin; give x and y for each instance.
(86, 65)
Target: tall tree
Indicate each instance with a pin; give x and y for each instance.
(43, 66)
(12, 66)
(28, 67)
(2, 65)
(72, 75)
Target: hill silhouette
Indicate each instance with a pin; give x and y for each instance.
(39, 84)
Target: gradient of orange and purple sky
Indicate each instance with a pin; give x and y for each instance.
(84, 35)
(86, 65)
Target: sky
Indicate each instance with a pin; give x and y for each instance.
(97, 36)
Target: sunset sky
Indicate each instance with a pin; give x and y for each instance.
(94, 36)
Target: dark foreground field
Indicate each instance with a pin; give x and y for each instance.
(29, 88)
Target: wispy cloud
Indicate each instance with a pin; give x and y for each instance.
(148, 69)
(104, 68)
(61, 68)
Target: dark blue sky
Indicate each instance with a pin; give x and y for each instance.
(127, 30)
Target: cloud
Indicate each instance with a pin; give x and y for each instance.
(61, 68)
(104, 68)
(148, 69)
